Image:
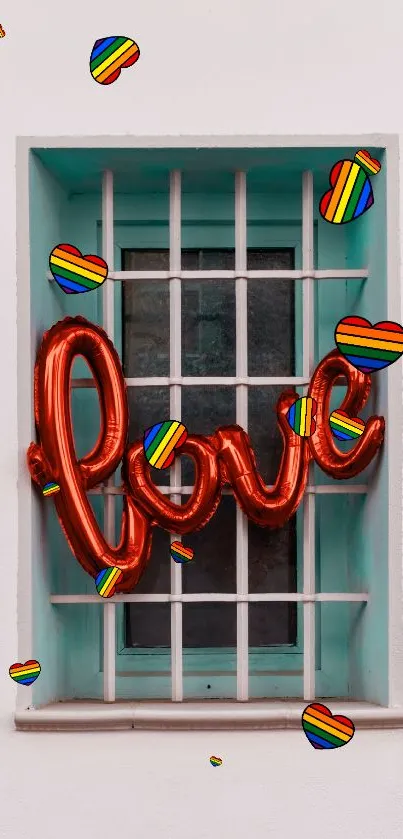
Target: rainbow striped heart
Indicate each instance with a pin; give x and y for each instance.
(351, 194)
(345, 427)
(107, 580)
(181, 554)
(301, 416)
(161, 440)
(369, 348)
(110, 55)
(50, 488)
(75, 273)
(25, 674)
(216, 761)
(325, 731)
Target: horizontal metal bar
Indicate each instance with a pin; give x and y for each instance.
(285, 597)
(343, 274)
(210, 381)
(320, 489)
(216, 274)
(328, 274)
(268, 714)
(222, 381)
(338, 489)
(206, 381)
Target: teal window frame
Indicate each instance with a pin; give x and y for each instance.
(85, 228)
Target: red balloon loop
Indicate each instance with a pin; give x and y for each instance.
(266, 507)
(55, 458)
(201, 506)
(338, 464)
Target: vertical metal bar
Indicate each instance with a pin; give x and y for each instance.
(309, 499)
(175, 410)
(108, 307)
(109, 612)
(242, 419)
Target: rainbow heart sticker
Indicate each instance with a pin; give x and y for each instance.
(301, 416)
(50, 489)
(344, 427)
(161, 440)
(107, 580)
(369, 348)
(351, 194)
(75, 273)
(325, 731)
(215, 761)
(111, 55)
(25, 674)
(181, 554)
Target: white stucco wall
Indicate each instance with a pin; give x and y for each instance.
(227, 67)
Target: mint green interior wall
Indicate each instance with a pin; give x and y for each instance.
(46, 206)
(141, 221)
(361, 557)
(63, 636)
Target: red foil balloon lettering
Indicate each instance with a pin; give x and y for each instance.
(225, 457)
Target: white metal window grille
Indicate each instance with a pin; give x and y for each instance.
(309, 275)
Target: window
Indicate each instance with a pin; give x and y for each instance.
(224, 289)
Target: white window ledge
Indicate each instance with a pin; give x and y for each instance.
(98, 716)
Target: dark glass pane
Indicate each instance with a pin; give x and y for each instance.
(270, 316)
(157, 575)
(272, 558)
(208, 328)
(203, 410)
(224, 260)
(213, 567)
(148, 625)
(272, 624)
(209, 624)
(208, 316)
(147, 406)
(145, 316)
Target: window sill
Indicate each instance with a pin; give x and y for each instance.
(275, 715)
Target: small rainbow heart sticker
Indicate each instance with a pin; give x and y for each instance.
(107, 580)
(50, 489)
(161, 440)
(75, 273)
(301, 416)
(345, 427)
(181, 554)
(325, 731)
(25, 674)
(215, 761)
